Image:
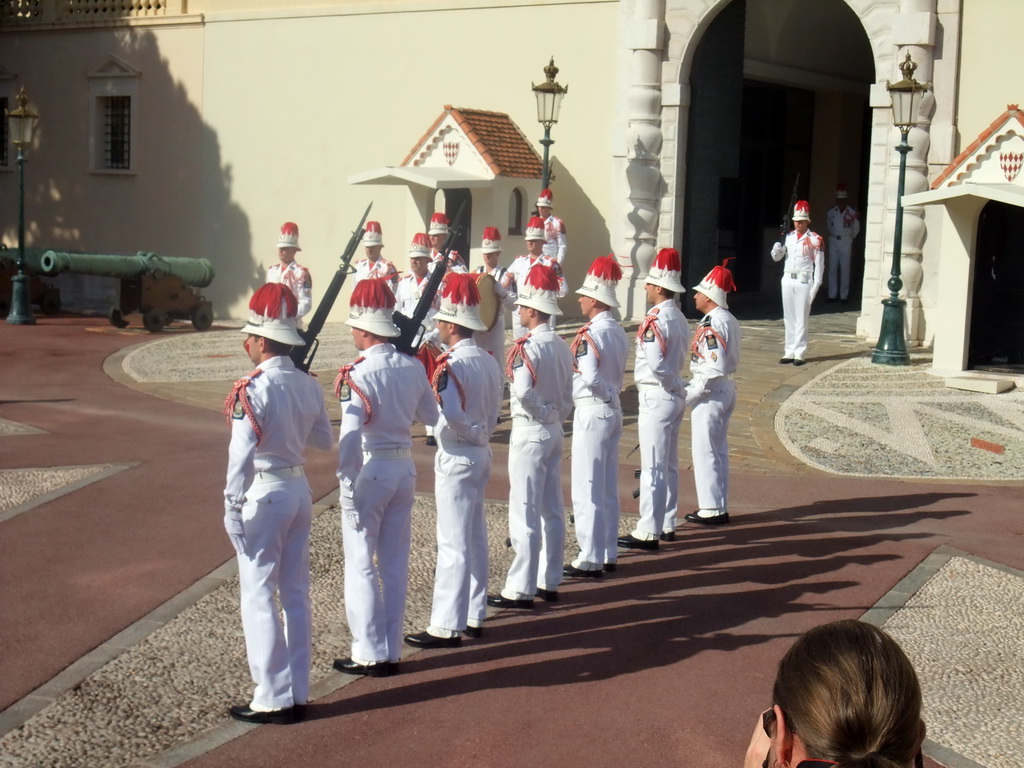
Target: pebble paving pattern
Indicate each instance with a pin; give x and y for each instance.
(971, 679)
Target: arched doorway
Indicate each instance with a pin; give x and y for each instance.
(997, 304)
(778, 99)
(453, 200)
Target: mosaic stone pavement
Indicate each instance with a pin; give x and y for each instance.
(849, 422)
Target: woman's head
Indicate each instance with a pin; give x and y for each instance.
(850, 695)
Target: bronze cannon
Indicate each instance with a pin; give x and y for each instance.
(161, 288)
(41, 292)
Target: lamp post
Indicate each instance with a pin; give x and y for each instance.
(22, 121)
(549, 99)
(906, 102)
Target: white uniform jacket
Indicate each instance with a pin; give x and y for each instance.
(599, 360)
(540, 370)
(467, 382)
(381, 268)
(715, 352)
(661, 344)
(273, 438)
(555, 243)
(297, 278)
(805, 261)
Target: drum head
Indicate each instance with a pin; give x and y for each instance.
(490, 303)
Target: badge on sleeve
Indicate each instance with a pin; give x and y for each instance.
(442, 381)
(649, 335)
(238, 412)
(581, 348)
(712, 342)
(344, 392)
(714, 356)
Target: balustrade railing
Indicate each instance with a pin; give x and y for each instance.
(27, 12)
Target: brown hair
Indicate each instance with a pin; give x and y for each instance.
(851, 694)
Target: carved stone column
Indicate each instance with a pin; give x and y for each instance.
(644, 34)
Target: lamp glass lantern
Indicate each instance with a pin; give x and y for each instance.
(906, 96)
(22, 122)
(549, 95)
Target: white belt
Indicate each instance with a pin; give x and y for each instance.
(387, 453)
(795, 275)
(590, 401)
(645, 385)
(277, 475)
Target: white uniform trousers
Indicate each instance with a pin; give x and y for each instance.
(461, 473)
(276, 518)
(709, 431)
(839, 250)
(379, 524)
(658, 421)
(596, 431)
(796, 308)
(536, 514)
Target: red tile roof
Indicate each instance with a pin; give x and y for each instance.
(1011, 113)
(496, 137)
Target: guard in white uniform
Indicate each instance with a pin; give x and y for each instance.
(381, 393)
(374, 265)
(843, 228)
(438, 233)
(274, 413)
(289, 272)
(556, 245)
(711, 395)
(599, 352)
(521, 267)
(801, 278)
(494, 339)
(466, 384)
(540, 370)
(661, 344)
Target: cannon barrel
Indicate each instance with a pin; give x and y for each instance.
(33, 259)
(197, 273)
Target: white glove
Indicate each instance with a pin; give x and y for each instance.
(695, 391)
(235, 530)
(777, 251)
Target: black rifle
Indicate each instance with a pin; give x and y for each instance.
(788, 213)
(412, 327)
(303, 356)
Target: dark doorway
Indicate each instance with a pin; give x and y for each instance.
(997, 307)
(453, 199)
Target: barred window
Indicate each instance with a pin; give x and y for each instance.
(4, 137)
(117, 125)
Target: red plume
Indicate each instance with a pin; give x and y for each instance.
(606, 268)
(535, 222)
(290, 228)
(272, 299)
(668, 259)
(373, 293)
(722, 277)
(460, 288)
(542, 277)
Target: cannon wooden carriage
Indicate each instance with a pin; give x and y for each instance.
(161, 288)
(41, 293)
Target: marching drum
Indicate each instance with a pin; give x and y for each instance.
(490, 304)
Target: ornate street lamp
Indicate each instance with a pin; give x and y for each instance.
(22, 121)
(549, 100)
(906, 102)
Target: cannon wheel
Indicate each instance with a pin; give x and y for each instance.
(202, 316)
(116, 318)
(51, 303)
(154, 320)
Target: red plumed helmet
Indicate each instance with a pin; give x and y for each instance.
(460, 301)
(274, 300)
(545, 199)
(461, 288)
(491, 240)
(438, 224)
(602, 278)
(535, 229)
(665, 272)
(717, 283)
(373, 234)
(289, 237)
(372, 307)
(539, 289)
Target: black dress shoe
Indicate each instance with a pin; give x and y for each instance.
(474, 632)
(798, 361)
(247, 715)
(427, 640)
(786, 361)
(723, 519)
(547, 595)
(500, 601)
(631, 542)
(377, 669)
(611, 567)
(572, 570)
(300, 712)
(667, 536)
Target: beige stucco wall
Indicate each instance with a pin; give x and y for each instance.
(250, 116)
(989, 78)
(327, 96)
